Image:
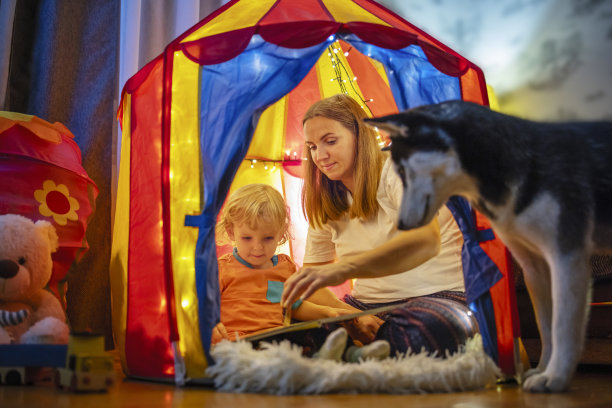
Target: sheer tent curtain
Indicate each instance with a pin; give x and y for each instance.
(7, 14)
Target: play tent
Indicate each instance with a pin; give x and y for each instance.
(221, 107)
(42, 178)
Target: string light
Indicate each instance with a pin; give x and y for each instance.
(271, 164)
(341, 74)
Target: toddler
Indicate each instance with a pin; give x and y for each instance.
(256, 220)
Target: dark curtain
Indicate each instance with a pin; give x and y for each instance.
(63, 67)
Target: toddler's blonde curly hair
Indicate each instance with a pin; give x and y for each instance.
(251, 205)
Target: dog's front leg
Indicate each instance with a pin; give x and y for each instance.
(570, 288)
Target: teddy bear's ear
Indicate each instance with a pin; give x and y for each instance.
(47, 229)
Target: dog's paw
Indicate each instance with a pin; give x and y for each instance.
(544, 382)
(531, 372)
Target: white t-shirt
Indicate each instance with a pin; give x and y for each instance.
(345, 237)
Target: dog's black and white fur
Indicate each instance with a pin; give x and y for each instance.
(545, 187)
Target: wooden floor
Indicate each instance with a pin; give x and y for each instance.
(592, 387)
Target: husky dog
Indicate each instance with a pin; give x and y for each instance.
(545, 187)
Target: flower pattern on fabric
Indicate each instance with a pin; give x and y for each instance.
(55, 201)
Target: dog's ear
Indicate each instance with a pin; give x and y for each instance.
(400, 124)
(392, 124)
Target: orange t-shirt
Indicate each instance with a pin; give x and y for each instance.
(250, 298)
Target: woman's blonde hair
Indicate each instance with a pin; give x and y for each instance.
(323, 199)
(252, 205)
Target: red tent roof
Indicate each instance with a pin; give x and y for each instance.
(304, 23)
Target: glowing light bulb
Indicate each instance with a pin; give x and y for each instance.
(354, 78)
(185, 303)
(346, 54)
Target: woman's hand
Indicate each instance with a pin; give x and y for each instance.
(309, 279)
(363, 328)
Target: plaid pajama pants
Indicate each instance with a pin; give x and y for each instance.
(435, 323)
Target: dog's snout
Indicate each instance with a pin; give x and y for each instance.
(8, 268)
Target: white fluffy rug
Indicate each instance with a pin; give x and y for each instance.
(279, 368)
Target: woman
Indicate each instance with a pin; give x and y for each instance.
(351, 198)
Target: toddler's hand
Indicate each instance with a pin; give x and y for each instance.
(219, 333)
(363, 328)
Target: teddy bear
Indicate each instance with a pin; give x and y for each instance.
(29, 314)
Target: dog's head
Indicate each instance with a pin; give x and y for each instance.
(424, 156)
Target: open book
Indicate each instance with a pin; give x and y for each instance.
(311, 324)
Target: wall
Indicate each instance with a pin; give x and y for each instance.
(546, 59)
